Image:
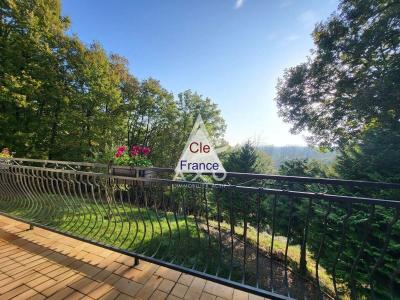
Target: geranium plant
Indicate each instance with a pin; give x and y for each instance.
(135, 156)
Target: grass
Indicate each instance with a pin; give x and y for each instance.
(165, 235)
(172, 237)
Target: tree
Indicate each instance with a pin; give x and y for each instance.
(248, 159)
(31, 74)
(244, 159)
(338, 226)
(158, 120)
(152, 117)
(347, 97)
(94, 115)
(61, 99)
(190, 105)
(301, 209)
(176, 122)
(351, 80)
(372, 157)
(304, 168)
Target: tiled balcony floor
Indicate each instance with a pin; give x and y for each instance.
(39, 264)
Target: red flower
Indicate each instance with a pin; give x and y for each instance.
(135, 150)
(146, 151)
(120, 151)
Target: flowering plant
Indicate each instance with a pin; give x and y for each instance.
(135, 156)
(5, 153)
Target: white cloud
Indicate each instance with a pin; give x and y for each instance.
(308, 18)
(239, 4)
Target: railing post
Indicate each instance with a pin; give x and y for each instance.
(136, 262)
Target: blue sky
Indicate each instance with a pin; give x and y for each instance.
(232, 51)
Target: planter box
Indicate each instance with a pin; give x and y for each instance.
(131, 172)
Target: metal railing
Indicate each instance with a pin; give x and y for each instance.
(286, 237)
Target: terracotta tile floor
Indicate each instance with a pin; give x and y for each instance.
(39, 264)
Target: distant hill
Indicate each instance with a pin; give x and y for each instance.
(281, 153)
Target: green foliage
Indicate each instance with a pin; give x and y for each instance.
(164, 124)
(61, 99)
(191, 105)
(137, 161)
(248, 159)
(373, 157)
(300, 209)
(351, 80)
(343, 228)
(305, 167)
(244, 159)
(346, 96)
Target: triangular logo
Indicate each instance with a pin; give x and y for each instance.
(199, 155)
